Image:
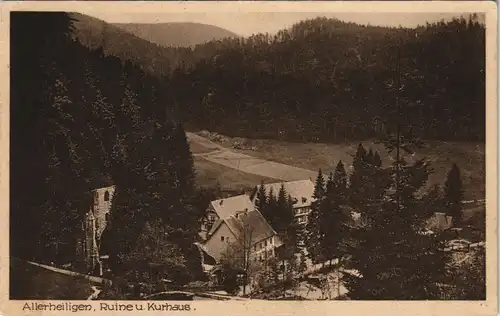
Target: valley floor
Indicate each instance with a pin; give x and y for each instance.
(247, 163)
(297, 161)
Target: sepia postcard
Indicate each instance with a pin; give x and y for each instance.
(249, 158)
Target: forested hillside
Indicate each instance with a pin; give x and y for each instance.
(94, 33)
(326, 80)
(81, 120)
(145, 46)
(176, 34)
(329, 80)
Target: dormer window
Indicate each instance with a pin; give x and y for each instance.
(304, 200)
(106, 196)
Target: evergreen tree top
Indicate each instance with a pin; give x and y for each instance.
(319, 186)
(369, 156)
(377, 162)
(361, 151)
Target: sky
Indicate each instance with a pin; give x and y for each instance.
(248, 23)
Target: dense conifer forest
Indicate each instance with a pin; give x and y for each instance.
(326, 79)
(81, 120)
(329, 80)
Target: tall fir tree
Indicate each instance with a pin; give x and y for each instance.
(325, 218)
(319, 186)
(370, 157)
(313, 226)
(401, 263)
(284, 213)
(453, 195)
(358, 177)
(270, 210)
(377, 162)
(261, 198)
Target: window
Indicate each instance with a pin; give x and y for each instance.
(221, 238)
(107, 217)
(265, 243)
(106, 196)
(254, 247)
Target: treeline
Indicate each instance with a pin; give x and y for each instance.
(80, 121)
(327, 80)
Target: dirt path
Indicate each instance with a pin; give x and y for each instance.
(249, 164)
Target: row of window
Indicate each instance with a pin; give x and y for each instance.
(265, 255)
(300, 211)
(263, 244)
(301, 219)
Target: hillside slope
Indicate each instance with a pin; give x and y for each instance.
(331, 81)
(176, 34)
(95, 33)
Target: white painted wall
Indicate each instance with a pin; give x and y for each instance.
(215, 246)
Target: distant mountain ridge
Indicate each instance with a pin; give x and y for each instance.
(176, 34)
(95, 33)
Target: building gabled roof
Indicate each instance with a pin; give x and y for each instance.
(232, 205)
(301, 191)
(250, 225)
(215, 226)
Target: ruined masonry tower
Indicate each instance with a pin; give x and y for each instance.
(94, 224)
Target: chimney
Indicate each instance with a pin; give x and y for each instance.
(241, 212)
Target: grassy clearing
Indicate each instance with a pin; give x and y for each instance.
(33, 282)
(468, 155)
(199, 149)
(209, 174)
